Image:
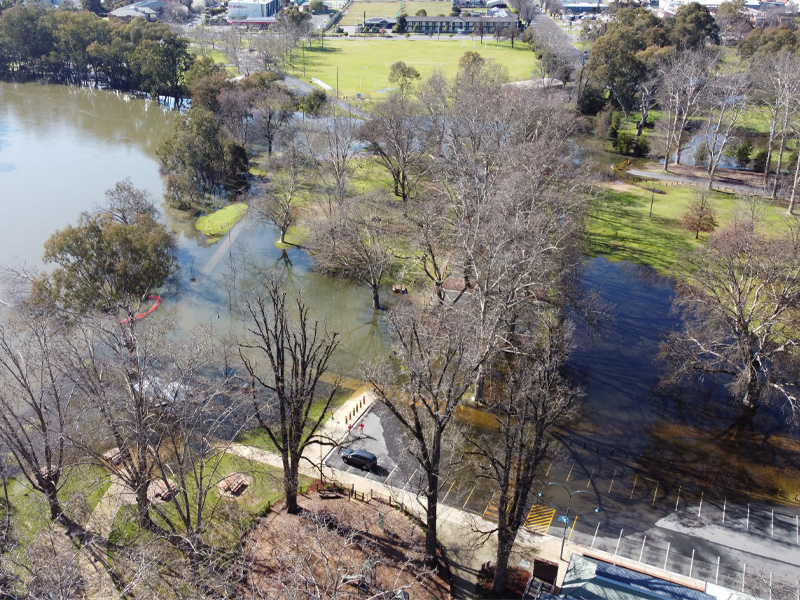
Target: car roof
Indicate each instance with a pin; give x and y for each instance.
(362, 453)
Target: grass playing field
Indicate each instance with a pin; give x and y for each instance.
(363, 64)
(355, 13)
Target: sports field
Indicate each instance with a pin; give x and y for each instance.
(363, 64)
(356, 10)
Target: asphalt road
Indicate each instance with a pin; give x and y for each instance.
(704, 536)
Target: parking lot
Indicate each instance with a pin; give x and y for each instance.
(685, 529)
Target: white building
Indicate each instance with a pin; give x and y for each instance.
(257, 14)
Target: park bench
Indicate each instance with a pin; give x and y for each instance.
(327, 494)
(233, 484)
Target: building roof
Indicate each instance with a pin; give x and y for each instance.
(139, 9)
(590, 579)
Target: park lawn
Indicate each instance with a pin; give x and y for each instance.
(362, 65)
(357, 9)
(620, 226)
(258, 438)
(265, 490)
(82, 488)
(220, 222)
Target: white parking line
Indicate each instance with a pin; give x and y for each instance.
(390, 474)
(409, 479)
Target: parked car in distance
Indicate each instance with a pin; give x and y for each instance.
(359, 458)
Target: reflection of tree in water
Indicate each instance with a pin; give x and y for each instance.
(701, 439)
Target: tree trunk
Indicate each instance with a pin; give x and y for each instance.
(670, 133)
(376, 299)
(56, 512)
(752, 396)
(480, 379)
(505, 541)
(790, 210)
(432, 496)
(781, 148)
(290, 489)
(143, 506)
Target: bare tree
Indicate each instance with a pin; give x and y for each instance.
(334, 143)
(776, 87)
(268, 50)
(236, 112)
(232, 39)
(728, 99)
(37, 402)
(534, 399)
(685, 78)
(699, 215)
(395, 135)
(279, 204)
(648, 90)
(125, 401)
(528, 9)
(327, 555)
(297, 356)
(358, 241)
(737, 296)
(273, 108)
(439, 355)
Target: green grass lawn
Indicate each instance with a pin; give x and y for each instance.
(258, 437)
(83, 486)
(362, 65)
(355, 13)
(621, 228)
(219, 223)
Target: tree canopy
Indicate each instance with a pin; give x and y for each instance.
(104, 264)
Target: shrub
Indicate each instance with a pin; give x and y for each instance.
(701, 155)
(627, 143)
(602, 123)
(616, 123)
(760, 161)
(742, 154)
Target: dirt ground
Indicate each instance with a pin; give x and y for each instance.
(335, 540)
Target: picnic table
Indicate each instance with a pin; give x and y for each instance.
(113, 456)
(164, 490)
(234, 483)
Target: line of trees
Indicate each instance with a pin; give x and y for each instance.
(642, 62)
(79, 47)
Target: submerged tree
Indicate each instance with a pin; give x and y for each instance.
(357, 241)
(738, 297)
(297, 356)
(279, 204)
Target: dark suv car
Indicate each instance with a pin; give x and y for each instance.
(359, 458)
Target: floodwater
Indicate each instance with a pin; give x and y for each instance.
(62, 147)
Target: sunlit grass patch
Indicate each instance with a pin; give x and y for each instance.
(219, 223)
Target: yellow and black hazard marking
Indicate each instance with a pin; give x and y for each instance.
(539, 518)
(493, 508)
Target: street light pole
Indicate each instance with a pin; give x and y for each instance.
(569, 504)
